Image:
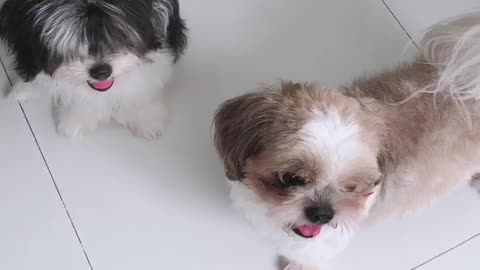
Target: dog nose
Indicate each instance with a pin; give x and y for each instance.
(100, 72)
(319, 214)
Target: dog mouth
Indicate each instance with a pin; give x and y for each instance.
(307, 231)
(101, 86)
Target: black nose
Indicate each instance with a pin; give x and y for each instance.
(101, 72)
(319, 214)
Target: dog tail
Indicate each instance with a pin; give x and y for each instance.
(453, 47)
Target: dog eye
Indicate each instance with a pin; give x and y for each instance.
(291, 180)
(349, 188)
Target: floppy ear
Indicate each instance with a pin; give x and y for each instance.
(169, 26)
(248, 125)
(17, 30)
(241, 125)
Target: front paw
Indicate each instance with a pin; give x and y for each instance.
(293, 266)
(73, 128)
(149, 123)
(22, 91)
(148, 129)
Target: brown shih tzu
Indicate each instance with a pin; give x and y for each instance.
(310, 164)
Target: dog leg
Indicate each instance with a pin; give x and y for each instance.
(24, 91)
(147, 121)
(76, 121)
(293, 266)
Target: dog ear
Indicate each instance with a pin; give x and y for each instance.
(20, 36)
(169, 26)
(261, 121)
(241, 127)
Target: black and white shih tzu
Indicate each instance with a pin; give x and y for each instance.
(101, 60)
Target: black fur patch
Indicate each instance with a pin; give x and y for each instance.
(40, 43)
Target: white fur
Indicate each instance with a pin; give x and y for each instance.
(453, 47)
(61, 32)
(63, 26)
(334, 139)
(336, 142)
(293, 266)
(135, 100)
(313, 252)
(162, 9)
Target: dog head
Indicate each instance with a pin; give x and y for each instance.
(309, 155)
(89, 41)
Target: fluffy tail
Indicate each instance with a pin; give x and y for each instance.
(453, 47)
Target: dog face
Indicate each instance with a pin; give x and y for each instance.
(308, 154)
(89, 41)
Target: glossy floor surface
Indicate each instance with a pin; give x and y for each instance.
(114, 202)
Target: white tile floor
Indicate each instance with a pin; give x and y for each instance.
(112, 201)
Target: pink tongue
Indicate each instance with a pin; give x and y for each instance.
(309, 230)
(103, 84)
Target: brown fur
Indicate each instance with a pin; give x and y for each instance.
(382, 145)
(420, 127)
(247, 125)
(426, 145)
(257, 137)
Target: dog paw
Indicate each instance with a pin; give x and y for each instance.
(149, 130)
(299, 267)
(292, 267)
(22, 92)
(149, 123)
(74, 129)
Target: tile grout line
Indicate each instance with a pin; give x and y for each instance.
(399, 23)
(56, 187)
(49, 171)
(446, 251)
